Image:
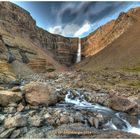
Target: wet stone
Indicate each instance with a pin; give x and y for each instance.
(35, 121)
(64, 119)
(2, 117)
(1, 129)
(34, 133)
(15, 134)
(20, 107)
(6, 133)
(16, 121)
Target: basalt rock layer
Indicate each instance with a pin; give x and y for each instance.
(114, 45)
(106, 34)
(23, 44)
(28, 48)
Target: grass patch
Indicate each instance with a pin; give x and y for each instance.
(132, 83)
(133, 69)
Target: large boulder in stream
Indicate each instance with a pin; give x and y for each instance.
(122, 104)
(37, 93)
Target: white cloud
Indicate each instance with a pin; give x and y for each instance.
(71, 30)
(85, 28)
(56, 30)
(68, 30)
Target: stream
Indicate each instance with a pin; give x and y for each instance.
(115, 121)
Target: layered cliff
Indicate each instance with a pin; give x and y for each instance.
(118, 47)
(26, 45)
(15, 21)
(106, 34)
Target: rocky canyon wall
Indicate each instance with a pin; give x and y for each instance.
(18, 22)
(106, 34)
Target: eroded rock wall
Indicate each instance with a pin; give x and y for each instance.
(106, 34)
(17, 21)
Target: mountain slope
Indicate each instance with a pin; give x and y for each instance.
(123, 51)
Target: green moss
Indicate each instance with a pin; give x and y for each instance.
(133, 69)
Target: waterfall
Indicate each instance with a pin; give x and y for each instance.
(79, 51)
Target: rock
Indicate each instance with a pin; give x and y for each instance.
(6, 73)
(121, 104)
(16, 89)
(2, 117)
(7, 97)
(40, 94)
(10, 110)
(36, 120)
(34, 133)
(15, 134)
(7, 133)
(81, 131)
(71, 119)
(78, 117)
(23, 130)
(47, 116)
(32, 112)
(64, 119)
(16, 121)
(32, 107)
(51, 121)
(79, 84)
(1, 88)
(12, 105)
(119, 123)
(20, 107)
(1, 129)
(90, 120)
(94, 122)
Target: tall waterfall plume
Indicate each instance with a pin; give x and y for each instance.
(79, 51)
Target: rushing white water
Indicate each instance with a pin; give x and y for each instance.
(111, 125)
(78, 100)
(130, 128)
(79, 51)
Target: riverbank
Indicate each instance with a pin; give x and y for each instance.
(72, 104)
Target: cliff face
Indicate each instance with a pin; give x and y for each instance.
(90, 44)
(106, 34)
(39, 50)
(118, 47)
(18, 22)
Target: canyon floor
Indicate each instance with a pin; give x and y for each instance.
(71, 104)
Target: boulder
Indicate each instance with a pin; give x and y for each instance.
(16, 121)
(35, 120)
(2, 117)
(94, 122)
(16, 89)
(20, 107)
(121, 104)
(7, 133)
(64, 119)
(119, 123)
(40, 94)
(15, 134)
(34, 133)
(7, 97)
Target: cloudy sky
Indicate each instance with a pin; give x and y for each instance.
(74, 19)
